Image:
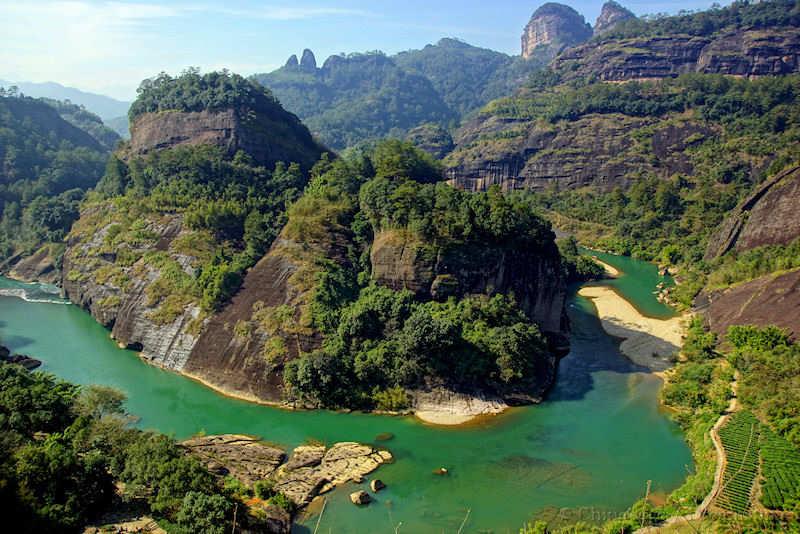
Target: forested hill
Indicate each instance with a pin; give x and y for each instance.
(359, 97)
(47, 165)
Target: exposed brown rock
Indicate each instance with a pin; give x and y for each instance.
(769, 300)
(611, 15)
(401, 261)
(554, 25)
(769, 216)
(597, 150)
(360, 498)
(38, 267)
(278, 136)
(243, 457)
(740, 53)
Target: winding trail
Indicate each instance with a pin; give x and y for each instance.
(722, 461)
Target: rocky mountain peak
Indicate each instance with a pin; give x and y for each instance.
(292, 62)
(554, 24)
(611, 15)
(308, 61)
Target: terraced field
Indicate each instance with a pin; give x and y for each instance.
(780, 469)
(740, 438)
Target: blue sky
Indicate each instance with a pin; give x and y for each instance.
(109, 46)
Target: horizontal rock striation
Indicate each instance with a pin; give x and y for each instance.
(738, 53)
(605, 151)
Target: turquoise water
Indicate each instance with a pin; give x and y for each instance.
(593, 444)
(637, 283)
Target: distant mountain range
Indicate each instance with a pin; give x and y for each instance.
(113, 112)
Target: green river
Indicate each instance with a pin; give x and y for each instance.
(593, 445)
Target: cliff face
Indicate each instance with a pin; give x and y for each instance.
(611, 15)
(554, 25)
(769, 300)
(402, 261)
(738, 53)
(605, 151)
(268, 138)
(769, 216)
(120, 298)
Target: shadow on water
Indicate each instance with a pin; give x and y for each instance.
(15, 343)
(591, 351)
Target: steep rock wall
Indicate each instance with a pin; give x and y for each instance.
(739, 53)
(769, 216)
(554, 25)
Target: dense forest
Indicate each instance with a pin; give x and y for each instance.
(47, 165)
(71, 454)
(360, 97)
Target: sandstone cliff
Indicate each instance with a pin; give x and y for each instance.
(400, 260)
(121, 297)
(736, 52)
(611, 15)
(602, 150)
(769, 216)
(268, 138)
(554, 25)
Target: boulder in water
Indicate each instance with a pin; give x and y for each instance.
(377, 485)
(360, 498)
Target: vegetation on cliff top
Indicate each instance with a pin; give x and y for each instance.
(739, 14)
(379, 341)
(47, 165)
(192, 91)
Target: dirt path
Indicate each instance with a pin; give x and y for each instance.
(701, 511)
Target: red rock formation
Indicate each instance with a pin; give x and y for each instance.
(554, 25)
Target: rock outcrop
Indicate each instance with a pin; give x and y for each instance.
(310, 470)
(769, 300)
(431, 138)
(308, 61)
(611, 15)
(402, 261)
(736, 52)
(38, 267)
(769, 216)
(554, 25)
(604, 151)
(267, 138)
(118, 296)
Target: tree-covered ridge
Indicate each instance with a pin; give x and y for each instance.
(740, 14)
(360, 97)
(379, 342)
(47, 165)
(357, 97)
(192, 91)
(87, 121)
(71, 455)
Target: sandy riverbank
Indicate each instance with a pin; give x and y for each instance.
(610, 270)
(448, 408)
(648, 342)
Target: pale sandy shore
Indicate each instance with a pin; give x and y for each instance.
(648, 342)
(611, 271)
(448, 408)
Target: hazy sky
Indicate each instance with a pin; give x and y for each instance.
(109, 47)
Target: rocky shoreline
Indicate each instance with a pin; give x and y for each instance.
(302, 475)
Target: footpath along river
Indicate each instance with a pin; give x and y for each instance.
(593, 444)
